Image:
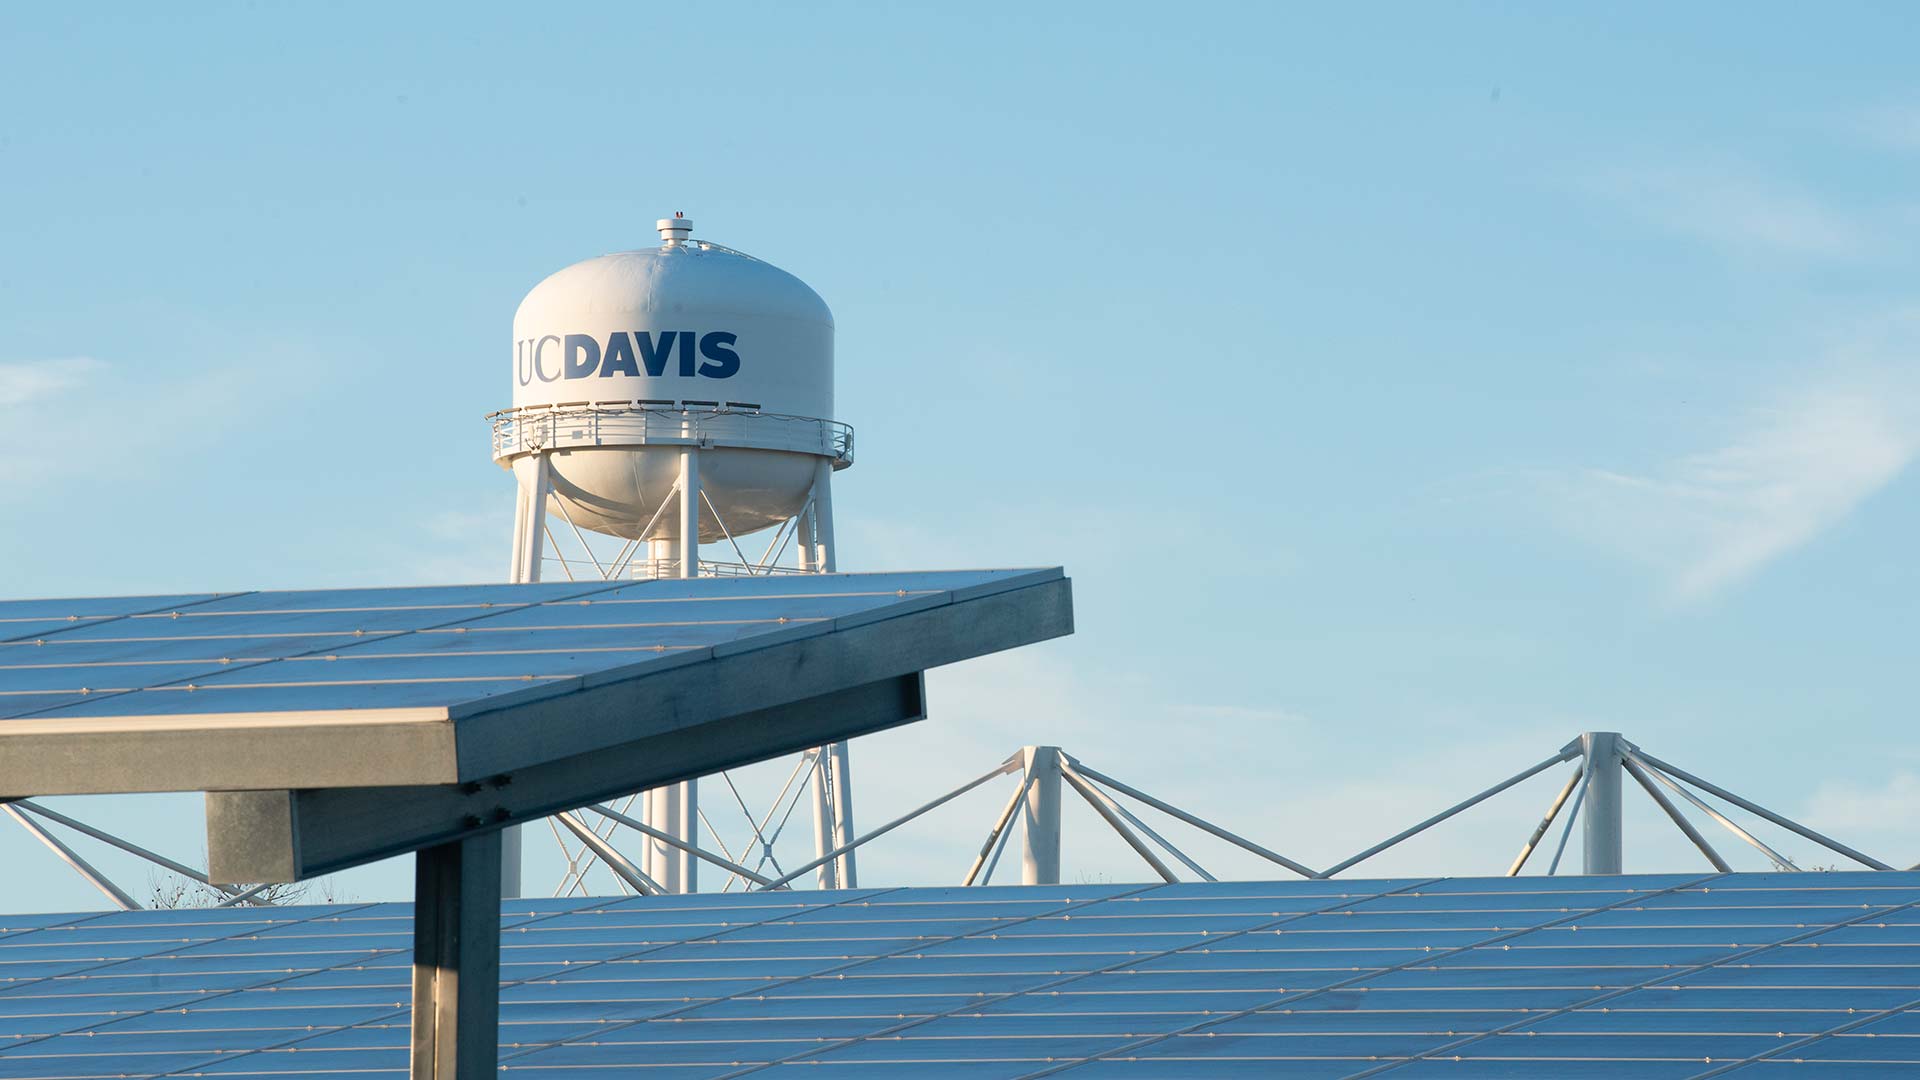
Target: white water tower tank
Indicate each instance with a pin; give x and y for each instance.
(621, 361)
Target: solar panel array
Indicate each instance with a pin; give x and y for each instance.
(414, 647)
(1813, 974)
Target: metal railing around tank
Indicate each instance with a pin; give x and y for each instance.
(626, 423)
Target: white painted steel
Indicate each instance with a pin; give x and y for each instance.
(690, 375)
(620, 359)
(688, 531)
(1600, 835)
(842, 812)
(1040, 854)
(823, 830)
(529, 534)
(825, 558)
(67, 855)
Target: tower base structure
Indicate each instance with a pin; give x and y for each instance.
(670, 547)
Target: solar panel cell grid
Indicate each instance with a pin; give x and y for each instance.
(1139, 981)
(406, 647)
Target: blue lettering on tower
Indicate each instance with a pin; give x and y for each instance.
(653, 354)
(722, 361)
(583, 356)
(711, 355)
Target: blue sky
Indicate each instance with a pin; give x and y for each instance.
(1406, 390)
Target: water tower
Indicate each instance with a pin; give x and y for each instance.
(675, 397)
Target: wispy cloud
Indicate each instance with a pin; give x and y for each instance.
(1789, 472)
(1895, 127)
(1875, 816)
(1733, 208)
(26, 381)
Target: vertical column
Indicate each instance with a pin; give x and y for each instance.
(660, 557)
(803, 541)
(529, 517)
(456, 960)
(674, 809)
(1040, 857)
(842, 813)
(1601, 832)
(664, 809)
(529, 545)
(824, 557)
(823, 781)
(833, 798)
(686, 867)
(689, 512)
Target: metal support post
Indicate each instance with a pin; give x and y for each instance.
(843, 814)
(689, 512)
(803, 546)
(1040, 857)
(664, 810)
(823, 845)
(1600, 837)
(456, 960)
(529, 517)
(675, 809)
(686, 868)
(529, 533)
(825, 557)
(67, 855)
(535, 477)
(1553, 811)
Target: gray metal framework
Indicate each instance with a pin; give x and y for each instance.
(422, 748)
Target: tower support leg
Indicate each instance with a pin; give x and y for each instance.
(535, 477)
(825, 558)
(1040, 857)
(1601, 832)
(843, 833)
(689, 512)
(823, 783)
(833, 790)
(456, 960)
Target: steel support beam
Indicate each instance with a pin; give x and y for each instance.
(1553, 811)
(1674, 815)
(67, 855)
(674, 809)
(1197, 822)
(456, 960)
(1755, 808)
(999, 829)
(843, 815)
(689, 525)
(1450, 811)
(1600, 836)
(290, 835)
(828, 872)
(825, 559)
(1003, 769)
(1040, 853)
(529, 517)
(535, 477)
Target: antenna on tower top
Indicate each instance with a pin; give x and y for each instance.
(674, 230)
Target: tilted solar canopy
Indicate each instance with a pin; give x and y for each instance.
(334, 728)
(1667, 977)
(488, 702)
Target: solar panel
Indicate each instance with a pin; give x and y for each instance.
(1679, 976)
(126, 694)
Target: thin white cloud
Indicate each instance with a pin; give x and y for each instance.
(1875, 817)
(1895, 127)
(1850, 807)
(1729, 207)
(25, 381)
(1713, 518)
